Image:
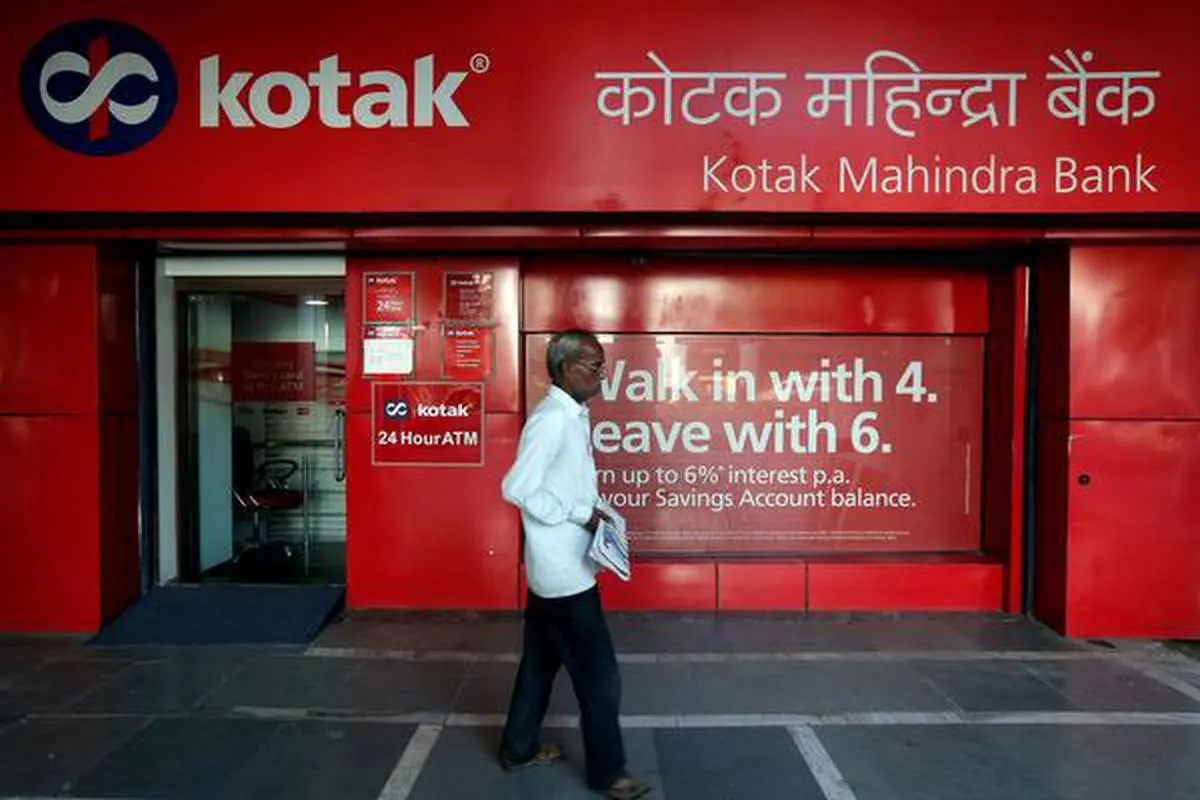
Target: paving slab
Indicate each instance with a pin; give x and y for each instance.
(408, 705)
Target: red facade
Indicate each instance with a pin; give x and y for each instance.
(1113, 537)
(1119, 443)
(744, 208)
(68, 420)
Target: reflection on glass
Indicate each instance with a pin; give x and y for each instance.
(266, 493)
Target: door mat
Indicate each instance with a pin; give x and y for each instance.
(226, 614)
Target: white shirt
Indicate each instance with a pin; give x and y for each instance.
(553, 482)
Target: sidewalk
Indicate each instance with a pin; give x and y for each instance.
(398, 705)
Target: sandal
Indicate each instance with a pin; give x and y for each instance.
(546, 754)
(628, 789)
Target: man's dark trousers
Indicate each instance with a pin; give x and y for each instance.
(571, 632)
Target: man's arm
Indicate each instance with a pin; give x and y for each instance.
(525, 484)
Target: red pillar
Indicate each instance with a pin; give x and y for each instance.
(1118, 553)
(434, 537)
(68, 438)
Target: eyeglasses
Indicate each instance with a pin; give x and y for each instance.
(596, 369)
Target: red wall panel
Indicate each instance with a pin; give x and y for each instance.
(1135, 341)
(658, 586)
(1119, 448)
(69, 437)
(927, 585)
(1051, 295)
(997, 412)
(49, 524)
(433, 537)
(118, 430)
(779, 586)
(673, 296)
(115, 331)
(48, 313)
(663, 587)
(120, 578)
(1134, 560)
(1051, 547)
(1004, 426)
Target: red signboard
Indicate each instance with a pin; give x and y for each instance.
(778, 105)
(427, 424)
(273, 372)
(388, 298)
(789, 444)
(466, 353)
(470, 297)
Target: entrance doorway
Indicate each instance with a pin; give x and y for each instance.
(262, 427)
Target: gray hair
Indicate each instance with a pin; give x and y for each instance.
(566, 348)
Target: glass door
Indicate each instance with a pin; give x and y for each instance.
(264, 453)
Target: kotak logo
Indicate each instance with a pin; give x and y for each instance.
(400, 409)
(243, 98)
(104, 88)
(98, 87)
(444, 410)
(397, 409)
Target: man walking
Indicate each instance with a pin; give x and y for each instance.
(553, 482)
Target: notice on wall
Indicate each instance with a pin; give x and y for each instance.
(388, 298)
(787, 444)
(388, 350)
(427, 424)
(273, 372)
(470, 297)
(466, 353)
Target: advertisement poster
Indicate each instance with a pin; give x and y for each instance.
(466, 353)
(388, 350)
(788, 444)
(470, 297)
(388, 298)
(273, 372)
(427, 424)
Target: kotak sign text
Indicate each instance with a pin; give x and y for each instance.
(618, 111)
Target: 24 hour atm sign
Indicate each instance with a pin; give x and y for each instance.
(427, 424)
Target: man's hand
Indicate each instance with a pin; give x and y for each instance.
(598, 516)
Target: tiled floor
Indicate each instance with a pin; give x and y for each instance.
(410, 706)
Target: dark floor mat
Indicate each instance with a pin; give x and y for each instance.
(226, 614)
